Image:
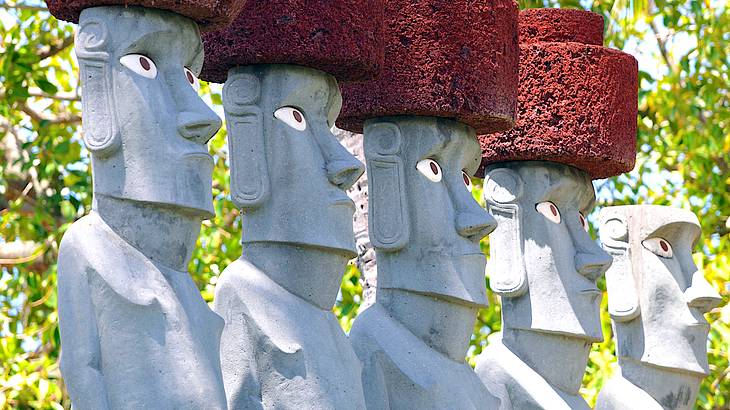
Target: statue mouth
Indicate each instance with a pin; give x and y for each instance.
(204, 157)
(705, 327)
(346, 202)
(591, 291)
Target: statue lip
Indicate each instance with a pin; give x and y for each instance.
(344, 202)
(700, 325)
(595, 291)
(199, 155)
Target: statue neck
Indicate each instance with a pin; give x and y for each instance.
(164, 234)
(672, 388)
(534, 348)
(313, 274)
(447, 327)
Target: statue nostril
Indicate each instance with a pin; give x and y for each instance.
(199, 132)
(345, 176)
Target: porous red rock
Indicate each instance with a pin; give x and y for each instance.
(455, 59)
(339, 37)
(209, 14)
(577, 101)
(561, 26)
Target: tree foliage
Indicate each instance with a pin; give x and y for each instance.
(683, 160)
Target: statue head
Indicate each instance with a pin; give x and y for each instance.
(143, 120)
(288, 171)
(657, 297)
(424, 223)
(543, 263)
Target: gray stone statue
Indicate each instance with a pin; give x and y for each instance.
(135, 331)
(426, 228)
(544, 265)
(657, 299)
(282, 346)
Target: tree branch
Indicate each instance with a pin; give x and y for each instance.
(56, 48)
(21, 6)
(61, 96)
(662, 43)
(59, 119)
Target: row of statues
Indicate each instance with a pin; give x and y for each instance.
(433, 86)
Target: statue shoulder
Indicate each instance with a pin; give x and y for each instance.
(83, 242)
(620, 394)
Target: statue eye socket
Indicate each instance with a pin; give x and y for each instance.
(659, 246)
(291, 117)
(467, 181)
(140, 64)
(430, 169)
(192, 79)
(549, 210)
(583, 221)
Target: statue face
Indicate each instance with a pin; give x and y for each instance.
(289, 172)
(144, 122)
(544, 263)
(657, 296)
(424, 221)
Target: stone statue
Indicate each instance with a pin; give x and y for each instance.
(282, 346)
(544, 265)
(135, 331)
(441, 84)
(656, 298)
(576, 122)
(281, 63)
(426, 228)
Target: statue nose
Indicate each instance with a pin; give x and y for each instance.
(701, 295)
(475, 225)
(196, 127)
(592, 262)
(344, 173)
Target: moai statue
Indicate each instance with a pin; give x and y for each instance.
(657, 299)
(282, 346)
(576, 122)
(441, 84)
(135, 331)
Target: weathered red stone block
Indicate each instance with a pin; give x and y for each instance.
(560, 26)
(456, 59)
(339, 37)
(577, 100)
(208, 14)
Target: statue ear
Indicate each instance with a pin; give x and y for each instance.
(246, 146)
(388, 222)
(100, 126)
(623, 297)
(502, 191)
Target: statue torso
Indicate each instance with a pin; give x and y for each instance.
(400, 371)
(281, 350)
(158, 339)
(518, 386)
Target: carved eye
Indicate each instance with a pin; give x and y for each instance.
(583, 221)
(430, 169)
(291, 117)
(140, 64)
(659, 246)
(467, 181)
(192, 79)
(549, 211)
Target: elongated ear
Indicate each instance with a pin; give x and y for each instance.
(100, 125)
(388, 220)
(246, 145)
(507, 272)
(623, 296)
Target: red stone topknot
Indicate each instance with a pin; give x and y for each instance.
(209, 14)
(577, 99)
(339, 37)
(455, 59)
